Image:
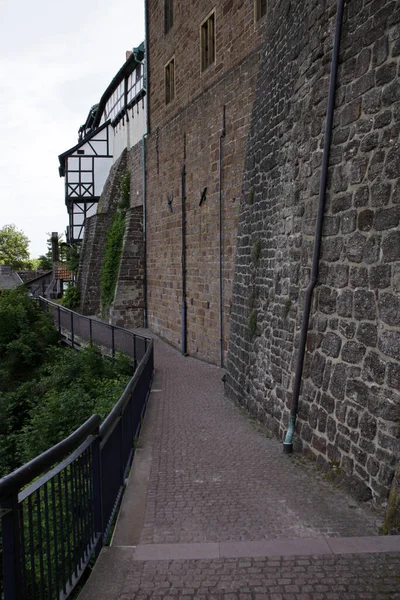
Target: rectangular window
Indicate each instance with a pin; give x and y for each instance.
(170, 81)
(168, 15)
(261, 9)
(208, 42)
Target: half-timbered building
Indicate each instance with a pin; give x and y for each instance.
(117, 122)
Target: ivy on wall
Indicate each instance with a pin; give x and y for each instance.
(114, 243)
(125, 190)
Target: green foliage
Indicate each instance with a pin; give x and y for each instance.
(71, 297)
(125, 190)
(13, 247)
(250, 197)
(391, 524)
(25, 334)
(287, 307)
(256, 252)
(44, 262)
(112, 257)
(73, 387)
(47, 391)
(252, 325)
(73, 256)
(26, 337)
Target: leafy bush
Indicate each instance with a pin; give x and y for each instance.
(47, 391)
(112, 257)
(25, 334)
(73, 256)
(71, 297)
(73, 387)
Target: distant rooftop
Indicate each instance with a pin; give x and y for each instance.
(9, 280)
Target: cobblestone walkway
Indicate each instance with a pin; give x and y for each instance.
(215, 477)
(217, 480)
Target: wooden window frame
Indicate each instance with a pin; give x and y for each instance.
(168, 15)
(260, 9)
(169, 80)
(207, 42)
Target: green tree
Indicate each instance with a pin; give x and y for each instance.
(13, 247)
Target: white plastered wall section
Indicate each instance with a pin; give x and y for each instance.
(128, 133)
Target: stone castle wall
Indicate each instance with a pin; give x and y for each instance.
(91, 261)
(187, 132)
(128, 305)
(350, 403)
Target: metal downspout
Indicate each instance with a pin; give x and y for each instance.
(144, 190)
(144, 230)
(184, 303)
(146, 49)
(221, 290)
(288, 442)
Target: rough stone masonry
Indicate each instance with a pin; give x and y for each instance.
(349, 414)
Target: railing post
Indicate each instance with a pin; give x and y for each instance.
(113, 340)
(59, 319)
(121, 424)
(134, 348)
(72, 329)
(12, 576)
(90, 332)
(97, 493)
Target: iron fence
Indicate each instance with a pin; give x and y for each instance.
(77, 329)
(56, 511)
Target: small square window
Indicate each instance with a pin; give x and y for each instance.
(170, 81)
(168, 15)
(208, 42)
(260, 9)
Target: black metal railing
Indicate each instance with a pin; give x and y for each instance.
(56, 511)
(77, 329)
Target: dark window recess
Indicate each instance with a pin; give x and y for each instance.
(208, 42)
(261, 9)
(80, 152)
(170, 81)
(168, 15)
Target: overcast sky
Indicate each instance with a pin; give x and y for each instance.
(56, 60)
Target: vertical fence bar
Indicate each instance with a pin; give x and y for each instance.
(31, 548)
(62, 558)
(11, 549)
(55, 539)
(113, 340)
(90, 332)
(23, 551)
(72, 329)
(59, 320)
(97, 492)
(39, 546)
(47, 536)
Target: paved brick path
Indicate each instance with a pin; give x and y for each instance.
(218, 484)
(371, 577)
(215, 477)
